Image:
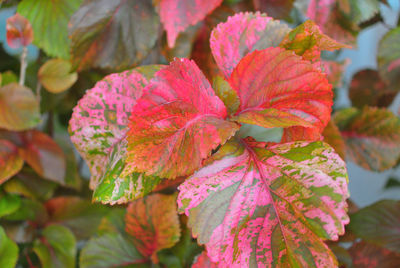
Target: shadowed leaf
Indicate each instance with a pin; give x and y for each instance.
(371, 256)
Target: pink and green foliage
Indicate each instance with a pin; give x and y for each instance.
(268, 204)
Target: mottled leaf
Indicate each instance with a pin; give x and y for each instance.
(49, 20)
(19, 108)
(153, 224)
(389, 58)
(371, 256)
(10, 161)
(112, 34)
(372, 136)
(100, 120)
(333, 137)
(56, 247)
(203, 261)
(19, 31)
(111, 250)
(177, 15)
(277, 88)
(9, 203)
(8, 251)
(244, 33)
(55, 75)
(378, 224)
(308, 41)
(368, 89)
(177, 123)
(261, 204)
(77, 214)
(275, 8)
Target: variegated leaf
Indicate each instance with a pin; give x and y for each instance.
(242, 34)
(10, 161)
(19, 31)
(177, 123)
(268, 205)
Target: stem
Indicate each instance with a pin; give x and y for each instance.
(24, 64)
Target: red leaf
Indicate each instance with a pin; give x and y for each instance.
(277, 88)
(177, 15)
(203, 261)
(153, 224)
(10, 162)
(19, 31)
(177, 123)
(241, 34)
(371, 256)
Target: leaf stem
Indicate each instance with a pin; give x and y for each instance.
(24, 64)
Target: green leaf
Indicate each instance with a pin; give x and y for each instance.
(19, 109)
(225, 92)
(378, 224)
(49, 20)
(9, 203)
(389, 58)
(111, 250)
(371, 135)
(8, 251)
(8, 77)
(56, 247)
(112, 34)
(29, 210)
(10, 161)
(55, 75)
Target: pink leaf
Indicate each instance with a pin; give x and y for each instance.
(177, 15)
(19, 31)
(277, 88)
(100, 119)
(268, 205)
(244, 33)
(177, 123)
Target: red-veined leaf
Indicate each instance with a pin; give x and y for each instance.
(368, 89)
(277, 88)
(389, 58)
(368, 255)
(19, 108)
(177, 15)
(153, 224)
(203, 261)
(19, 31)
(268, 205)
(177, 123)
(10, 161)
(275, 8)
(241, 34)
(372, 136)
(308, 41)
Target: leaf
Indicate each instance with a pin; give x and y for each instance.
(112, 34)
(203, 261)
(177, 123)
(368, 89)
(371, 256)
(278, 9)
(19, 109)
(330, 18)
(225, 92)
(19, 31)
(9, 203)
(56, 247)
(260, 204)
(29, 210)
(277, 88)
(334, 71)
(77, 214)
(110, 250)
(153, 224)
(100, 120)
(333, 137)
(371, 135)
(8, 251)
(307, 40)
(50, 23)
(10, 161)
(242, 34)
(177, 15)
(8, 77)
(389, 58)
(359, 11)
(378, 224)
(55, 75)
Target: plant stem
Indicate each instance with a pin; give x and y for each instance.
(24, 64)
